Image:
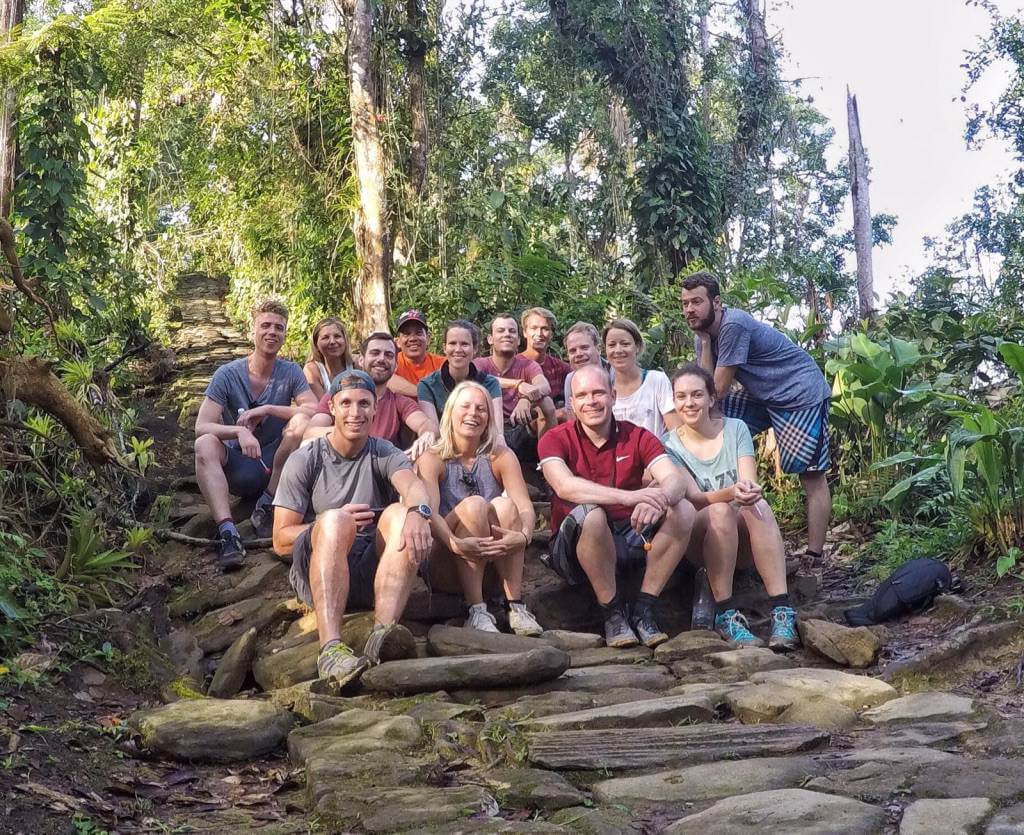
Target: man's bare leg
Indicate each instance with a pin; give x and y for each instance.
(333, 535)
(396, 572)
(819, 509)
(595, 551)
(291, 437)
(211, 455)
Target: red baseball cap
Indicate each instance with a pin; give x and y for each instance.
(413, 315)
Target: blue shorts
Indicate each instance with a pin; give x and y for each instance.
(362, 568)
(561, 556)
(248, 477)
(802, 434)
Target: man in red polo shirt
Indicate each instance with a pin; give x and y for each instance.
(602, 515)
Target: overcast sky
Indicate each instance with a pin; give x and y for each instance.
(901, 58)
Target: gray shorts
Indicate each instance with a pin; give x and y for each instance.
(561, 557)
(248, 477)
(362, 568)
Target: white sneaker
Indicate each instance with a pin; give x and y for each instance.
(480, 618)
(522, 621)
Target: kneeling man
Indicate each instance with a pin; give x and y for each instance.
(346, 543)
(602, 516)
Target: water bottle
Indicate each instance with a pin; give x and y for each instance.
(702, 615)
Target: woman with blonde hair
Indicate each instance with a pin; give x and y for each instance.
(329, 354)
(466, 473)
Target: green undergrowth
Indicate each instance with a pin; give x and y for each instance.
(896, 542)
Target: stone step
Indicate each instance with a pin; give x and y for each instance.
(659, 747)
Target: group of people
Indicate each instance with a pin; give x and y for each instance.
(371, 469)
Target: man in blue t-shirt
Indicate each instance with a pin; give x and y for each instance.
(247, 427)
(783, 388)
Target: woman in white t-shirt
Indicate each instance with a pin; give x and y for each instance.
(734, 523)
(642, 396)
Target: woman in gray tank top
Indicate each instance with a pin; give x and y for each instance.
(466, 474)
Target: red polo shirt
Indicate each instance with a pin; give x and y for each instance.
(555, 371)
(620, 463)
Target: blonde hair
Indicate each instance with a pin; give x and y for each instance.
(314, 352)
(268, 305)
(543, 312)
(445, 448)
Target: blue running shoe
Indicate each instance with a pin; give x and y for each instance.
(732, 626)
(784, 635)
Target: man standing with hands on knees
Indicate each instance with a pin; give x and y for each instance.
(603, 517)
(783, 388)
(347, 544)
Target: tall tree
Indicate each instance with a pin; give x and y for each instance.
(862, 234)
(370, 292)
(11, 14)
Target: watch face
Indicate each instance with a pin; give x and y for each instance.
(423, 510)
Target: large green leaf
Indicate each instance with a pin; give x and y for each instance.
(1013, 356)
(905, 353)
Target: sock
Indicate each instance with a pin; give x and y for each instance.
(645, 602)
(780, 600)
(612, 606)
(509, 601)
(225, 527)
(815, 554)
(723, 605)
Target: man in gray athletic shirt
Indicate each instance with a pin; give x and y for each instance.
(349, 545)
(247, 427)
(783, 388)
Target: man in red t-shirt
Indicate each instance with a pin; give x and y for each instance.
(602, 515)
(539, 325)
(414, 360)
(524, 388)
(394, 412)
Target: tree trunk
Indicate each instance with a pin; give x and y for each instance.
(756, 99)
(370, 226)
(416, 46)
(11, 14)
(861, 212)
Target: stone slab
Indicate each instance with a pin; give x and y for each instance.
(922, 707)
(649, 713)
(951, 817)
(696, 643)
(854, 691)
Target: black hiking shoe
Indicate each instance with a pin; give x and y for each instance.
(230, 552)
(617, 631)
(647, 629)
(262, 519)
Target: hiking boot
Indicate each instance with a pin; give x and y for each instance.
(646, 628)
(262, 519)
(389, 642)
(617, 631)
(480, 618)
(732, 626)
(522, 621)
(337, 662)
(784, 635)
(230, 551)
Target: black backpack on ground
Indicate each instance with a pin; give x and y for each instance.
(910, 588)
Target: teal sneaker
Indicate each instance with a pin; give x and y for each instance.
(732, 626)
(784, 635)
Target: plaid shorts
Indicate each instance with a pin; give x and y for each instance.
(802, 434)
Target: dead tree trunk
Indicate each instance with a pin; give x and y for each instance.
(11, 14)
(862, 236)
(370, 225)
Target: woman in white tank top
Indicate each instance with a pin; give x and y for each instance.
(642, 396)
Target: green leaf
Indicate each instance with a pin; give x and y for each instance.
(496, 199)
(1013, 356)
(1005, 563)
(9, 606)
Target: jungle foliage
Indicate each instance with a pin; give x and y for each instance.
(578, 154)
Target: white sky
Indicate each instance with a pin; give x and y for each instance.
(901, 58)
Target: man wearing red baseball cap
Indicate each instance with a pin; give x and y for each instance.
(414, 360)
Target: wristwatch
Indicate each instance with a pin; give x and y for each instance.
(423, 510)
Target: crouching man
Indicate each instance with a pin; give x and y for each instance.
(347, 544)
(603, 517)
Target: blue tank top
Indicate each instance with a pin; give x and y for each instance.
(458, 482)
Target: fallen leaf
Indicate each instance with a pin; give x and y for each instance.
(34, 662)
(176, 778)
(229, 617)
(92, 677)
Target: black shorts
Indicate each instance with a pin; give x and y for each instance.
(629, 546)
(523, 443)
(248, 477)
(362, 568)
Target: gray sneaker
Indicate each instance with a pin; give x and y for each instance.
(262, 519)
(647, 629)
(337, 661)
(618, 633)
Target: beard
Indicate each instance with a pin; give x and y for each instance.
(705, 323)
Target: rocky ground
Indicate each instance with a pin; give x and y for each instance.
(914, 727)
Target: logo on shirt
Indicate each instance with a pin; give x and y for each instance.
(621, 458)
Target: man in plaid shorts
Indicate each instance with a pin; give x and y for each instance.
(783, 388)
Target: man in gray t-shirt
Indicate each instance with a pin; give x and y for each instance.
(347, 542)
(783, 388)
(247, 427)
